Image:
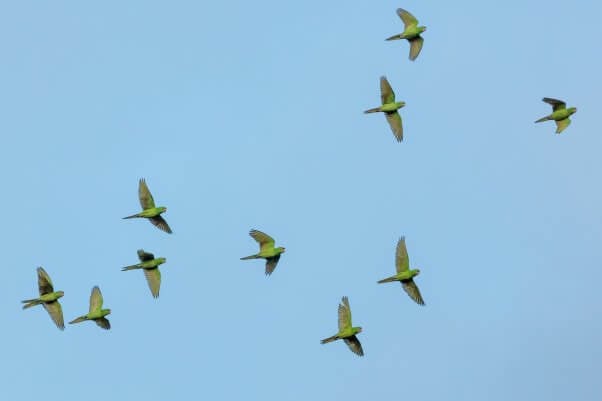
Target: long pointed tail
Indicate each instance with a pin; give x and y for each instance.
(250, 257)
(387, 280)
(132, 216)
(329, 339)
(374, 110)
(31, 302)
(79, 319)
(132, 267)
(395, 37)
(546, 118)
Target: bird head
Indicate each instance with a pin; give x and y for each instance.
(401, 104)
(281, 249)
(417, 271)
(422, 29)
(162, 209)
(60, 293)
(359, 329)
(162, 260)
(108, 311)
(572, 110)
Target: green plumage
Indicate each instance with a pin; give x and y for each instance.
(150, 265)
(411, 33)
(346, 332)
(95, 313)
(149, 210)
(560, 114)
(405, 275)
(267, 250)
(389, 107)
(48, 298)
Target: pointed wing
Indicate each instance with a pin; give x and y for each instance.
(410, 287)
(145, 256)
(271, 263)
(153, 278)
(44, 282)
(555, 103)
(160, 223)
(386, 92)
(354, 345)
(415, 47)
(146, 199)
(406, 17)
(394, 120)
(344, 315)
(103, 322)
(56, 313)
(265, 241)
(95, 299)
(562, 124)
(402, 261)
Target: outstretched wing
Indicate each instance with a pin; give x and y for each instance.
(555, 103)
(160, 223)
(95, 299)
(264, 240)
(103, 322)
(562, 124)
(153, 278)
(354, 345)
(412, 290)
(56, 313)
(146, 199)
(402, 261)
(271, 263)
(394, 120)
(344, 315)
(44, 282)
(415, 46)
(145, 256)
(386, 92)
(407, 18)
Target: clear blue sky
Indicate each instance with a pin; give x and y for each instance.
(248, 115)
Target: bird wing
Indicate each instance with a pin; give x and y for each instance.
(95, 299)
(44, 282)
(415, 47)
(402, 261)
(555, 103)
(354, 345)
(562, 124)
(146, 198)
(56, 313)
(160, 223)
(271, 263)
(103, 322)
(386, 92)
(394, 120)
(153, 278)
(265, 241)
(407, 18)
(410, 287)
(145, 256)
(344, 315)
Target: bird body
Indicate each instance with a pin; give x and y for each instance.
(389, 106)
(405, 275)
(150, 264)
(560, 114)
(148, 213)
(347, 332)
(411, 32)
(149, 210)
(96, 312)
(267, 250)
(48, 298)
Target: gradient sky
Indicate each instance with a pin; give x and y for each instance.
(248, 115)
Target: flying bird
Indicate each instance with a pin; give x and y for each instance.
(150, 265)
(560, 114)
(267, 250)
(404, 275)
(411, 32)
(48, 298)
(390, 107)
(149, 210)
(346, 332)
(96, 312)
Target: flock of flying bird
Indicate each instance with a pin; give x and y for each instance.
(49, 298)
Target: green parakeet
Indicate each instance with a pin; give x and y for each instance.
(149, 210)
(267, 250)
(96, 312)
(346, 332)
(404, 275)
(150, 265)
(411, 32)
(390, 107)
(560, 114)
(48, 298)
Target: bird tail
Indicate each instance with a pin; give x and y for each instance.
(250, 257)
(546, 118)
(79, 319)
(395, 37)
(374, 110)
(132, 216)
(387, 280)
(132, 267)
(31, 302)
(329, 339)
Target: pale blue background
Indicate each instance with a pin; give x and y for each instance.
(249, 115)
